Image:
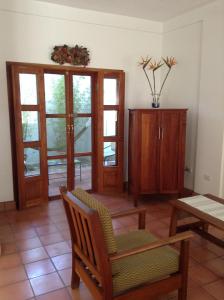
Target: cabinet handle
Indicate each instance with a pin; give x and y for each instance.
(159, 133)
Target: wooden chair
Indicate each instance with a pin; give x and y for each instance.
(104, 266)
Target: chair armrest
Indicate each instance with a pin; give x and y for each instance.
(160, 243)
(141, 215)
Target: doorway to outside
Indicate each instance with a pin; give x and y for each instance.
(78, 110)
(66, 129)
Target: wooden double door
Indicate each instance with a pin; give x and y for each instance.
(156, 151)
(66, 128)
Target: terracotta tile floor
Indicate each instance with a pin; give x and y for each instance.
(36, 258)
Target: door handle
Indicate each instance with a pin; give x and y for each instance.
(70, 129)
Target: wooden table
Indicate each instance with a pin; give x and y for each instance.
(207, 209)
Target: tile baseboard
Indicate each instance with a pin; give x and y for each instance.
(8, 205)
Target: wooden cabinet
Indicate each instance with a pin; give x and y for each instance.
(156, 151)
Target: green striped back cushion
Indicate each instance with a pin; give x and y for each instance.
(104, 216)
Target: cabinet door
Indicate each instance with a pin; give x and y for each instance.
(169, 151)
(149, 152)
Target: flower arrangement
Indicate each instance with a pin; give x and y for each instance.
(153, 66)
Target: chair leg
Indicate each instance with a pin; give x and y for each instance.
(184, 261)
(75, 278)
(182, 293)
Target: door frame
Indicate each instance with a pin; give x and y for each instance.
(101, 174)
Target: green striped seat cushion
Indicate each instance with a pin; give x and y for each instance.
(145, 267)
(104, 216)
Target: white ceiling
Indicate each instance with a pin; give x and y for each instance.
(157, 10)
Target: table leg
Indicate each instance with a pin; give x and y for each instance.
(173, 221)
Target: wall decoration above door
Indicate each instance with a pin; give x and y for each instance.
(77, 55)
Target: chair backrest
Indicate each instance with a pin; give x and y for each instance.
(90, 254)
(104, 216)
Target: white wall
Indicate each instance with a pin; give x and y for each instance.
(197, 40)
(182, 89)
(28, 31)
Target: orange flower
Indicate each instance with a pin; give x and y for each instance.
(155, 65)
(170, 61)
(144, 62)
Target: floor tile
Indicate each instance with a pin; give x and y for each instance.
(25, 234)
(6, 237)
(9, 248)
(18, 291)
(28, 244)
(216, 266)
(201, 254)
(39, 268)
(66, 275)
(46, 229)
(66, 234)
(62, 261)
(12, 275)
(62, 225)
(201, 275)
(58, 249)
(58, 218)
(61, 294)
(51, 238)
(216, 289)
(81, 293)
(46, 283)
(199, 294)
(5, 229)
(10, 261)
(33, 255)
(49, 223)
(214, 248)
(3, 219)
(20, 225)
(41, 222)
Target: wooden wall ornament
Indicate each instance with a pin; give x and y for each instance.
(77, 55)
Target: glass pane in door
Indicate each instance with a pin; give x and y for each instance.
(57, 175)
(31, 162)
(28, 89)
(83, 135)
(83, 172)
(109, 122)
(82, 94)
(54, 85)
(30, 125)
(110, 91)
(56, 136)
(110, 154)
